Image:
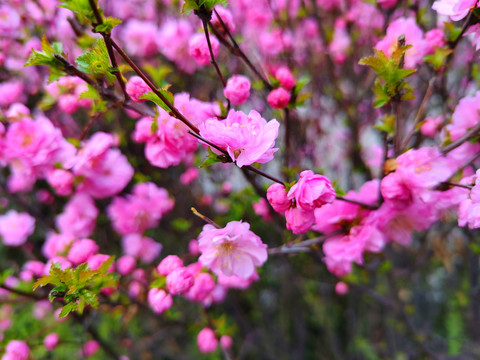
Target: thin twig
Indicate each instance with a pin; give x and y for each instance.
(467, 136)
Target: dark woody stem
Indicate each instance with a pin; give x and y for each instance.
(174, 111)
(237, 51)
(108, 43)
(212, 56)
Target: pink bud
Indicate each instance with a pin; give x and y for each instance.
(387, 4)
(237, 89)
(277, 197)
(159, 300)
(341, 288)
(16, 350)
(198, 48)
(170, 263)
(82, 250)
(90, 348)
(126, 264)
(226, 342)
(287, 80)
(207, 341)
(51, 341)
(278, 98)
(136, 87)
(179, 281)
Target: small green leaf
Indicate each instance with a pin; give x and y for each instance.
(108, 24)
(67, 309)
(155, 99)
(96, 62)
(437, 59)
(212, 158)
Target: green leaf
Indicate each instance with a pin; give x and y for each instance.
(82, 9)
(437, 59)
(108, 24)
(46, 56)
(43, 281)
(213, 158)
(96, 62)
(90, 298)
(67, 309)
(155, 99)
(106, 265)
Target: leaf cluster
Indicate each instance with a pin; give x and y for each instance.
(96, 62)
(78, 287)
(156, 99)
(192, 5)
(213, 158)
(390, 83)
(47, 57)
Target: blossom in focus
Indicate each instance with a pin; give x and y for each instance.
(312, 191)
(232, 250)
(16, 227)
(246, 138)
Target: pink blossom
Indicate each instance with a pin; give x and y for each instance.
(226, 342)
(56, 244)
(179, 281)
(285, 77)
(233, 250)
(126, 264)
(198, 48)
(61, 181)
(105, 171)
(16, 227)
(431, 125)
(168, 264)
(17, 112)
(474, 31)
(465, 116)
(51, 341)
(11, 92)
(79, 216)
(82, 250)
(247, 139)
(413, 36)
(312, 191)
(95, 261)
(16, 350)
(237, 89)
(188, 176)
(387, 4)
(226, 17)
(456, 9)
(435, 38)
(140, 38)
(141, 247)
(159, 300)
(140, 210)
(136, 87)
(341, 41)
(90, 348)
(207, 341)
(173, 42)
(262, 209)
(277, 197)
(341, 288)
(202, 287)
(299, 220)
(278, 98)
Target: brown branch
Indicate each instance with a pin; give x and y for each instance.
(467, 136)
